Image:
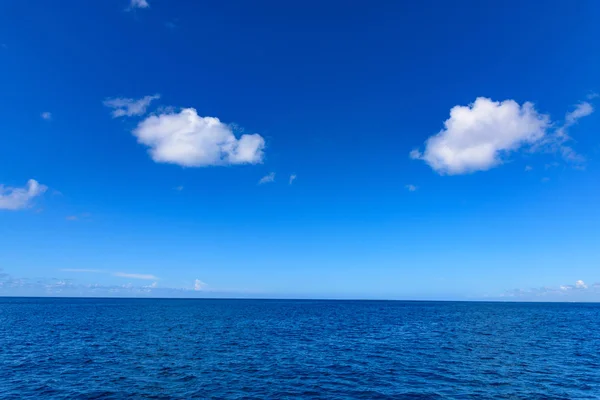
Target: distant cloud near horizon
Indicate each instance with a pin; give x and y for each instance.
(478, 137)
(135, 276)
(17, 198)
(117, 274)
(126, 107)
(189, 140)
(81, 270)
(579, 291)
(199, 285)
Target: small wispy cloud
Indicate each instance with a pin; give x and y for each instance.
(135, 276)
(126, 107)
(292, 178)
(17, 198)
(199, 285)
(528, 168)
(411, 188)
(86, 270)
(47, 115)
(581, 110)
(133, 4)
(178, 188)
(592, 95)
(148, 277)
(82, 216)
(267, 178)
(545, 179)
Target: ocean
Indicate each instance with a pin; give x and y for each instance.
(58, 348)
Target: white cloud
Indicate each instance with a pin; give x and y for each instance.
(528, 168)
(292, 178)
(178, 188)
(189, 140)
(578, 292)
(267, 178)
(199, 285)
(582, 109)
(83, 216)
(580, 284)
(138, 4)
(556, 141)
(47, 115)
(475, 137)
(411, 188)
(592, 95)
(18, 198)
(479, 136)
(135, 276)
(125, 107)
(96, 271)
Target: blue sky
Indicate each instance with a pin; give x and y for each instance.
(411, 150)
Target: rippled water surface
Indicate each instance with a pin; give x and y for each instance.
(270, 349)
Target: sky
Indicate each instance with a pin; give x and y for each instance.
(371, 150)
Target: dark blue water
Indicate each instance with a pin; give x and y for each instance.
(267, 349)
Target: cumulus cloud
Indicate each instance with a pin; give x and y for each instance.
(267, 178)
(199, 285)
(47, 115)
(135, 276)
(292, 178)
(478, 137)
(125, 107)
(12, 198)
(187, 139)
(411, 188)
(138, 4)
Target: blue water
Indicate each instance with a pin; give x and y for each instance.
(269, 349)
